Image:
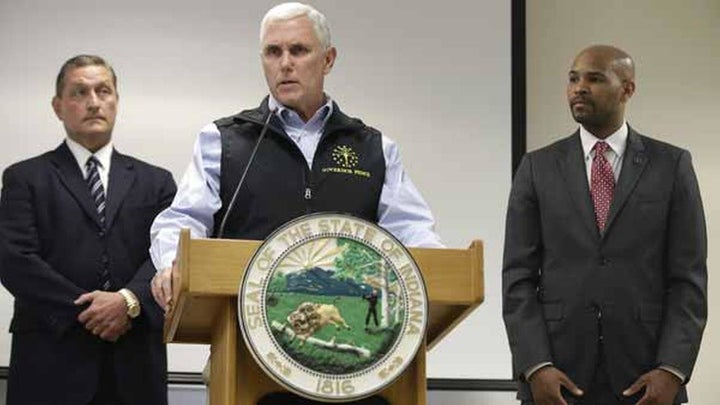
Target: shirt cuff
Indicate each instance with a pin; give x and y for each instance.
(672, 370)
(529, 372)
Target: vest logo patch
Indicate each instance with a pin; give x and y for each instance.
(332, 307)
(345, 156)
(346, 160)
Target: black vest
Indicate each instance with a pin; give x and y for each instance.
(347, 175)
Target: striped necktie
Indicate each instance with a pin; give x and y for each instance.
(97, 192)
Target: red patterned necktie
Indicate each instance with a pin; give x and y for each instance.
(602, 184)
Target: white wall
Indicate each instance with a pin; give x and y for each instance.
(676, 46)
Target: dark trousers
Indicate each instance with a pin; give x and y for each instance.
(107, 392)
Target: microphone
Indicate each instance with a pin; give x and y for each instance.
(221, 230)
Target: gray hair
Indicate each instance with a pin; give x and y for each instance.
(288, 11)
(77, 62)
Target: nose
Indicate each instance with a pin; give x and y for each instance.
(579, 87)
(93, 101)
(286, 60)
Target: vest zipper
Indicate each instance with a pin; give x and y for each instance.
(308, 193)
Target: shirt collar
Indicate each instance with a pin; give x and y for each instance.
(290, 118)
(617, 140)
(81, 154)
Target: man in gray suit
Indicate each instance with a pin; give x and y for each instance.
(604, 274)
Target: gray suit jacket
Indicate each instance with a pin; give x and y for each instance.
(642, 284)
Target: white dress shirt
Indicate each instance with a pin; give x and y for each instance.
(617, 142)
(103, 155)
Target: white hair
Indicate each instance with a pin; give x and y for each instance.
(288, 11)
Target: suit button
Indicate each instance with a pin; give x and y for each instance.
(101, 234)
(603, 261)
(105, 259)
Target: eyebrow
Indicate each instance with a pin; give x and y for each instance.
(587, 72)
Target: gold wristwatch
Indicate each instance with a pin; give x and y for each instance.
(133, 304)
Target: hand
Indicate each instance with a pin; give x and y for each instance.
(661, 387)
(546, 385)
(161, 286)
(106, 314)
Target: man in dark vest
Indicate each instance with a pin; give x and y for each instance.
(313, 158)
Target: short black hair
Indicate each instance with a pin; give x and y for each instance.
(78, 62)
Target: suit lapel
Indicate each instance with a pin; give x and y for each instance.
(71, 177)
(633, 165)
(573, 171)
(122, 176)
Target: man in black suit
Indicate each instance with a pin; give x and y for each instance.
(604, 274)
(75, 229)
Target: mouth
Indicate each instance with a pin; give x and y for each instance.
(94, 118)
(287, 83)
(579, 102)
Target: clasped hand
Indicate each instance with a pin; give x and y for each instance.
(660, 386)
(106, 314)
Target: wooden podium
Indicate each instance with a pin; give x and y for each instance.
(205, 287)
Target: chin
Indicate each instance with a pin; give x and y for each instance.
(581, 117)
(289, 103)
(96, 135)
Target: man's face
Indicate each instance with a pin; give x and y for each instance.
(87, 105)
(595, 92)
(295, 64)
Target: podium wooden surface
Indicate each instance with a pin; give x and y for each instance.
(205, 286)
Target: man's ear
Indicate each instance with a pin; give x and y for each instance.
(330, 56)
(56, 107)
(628, 90)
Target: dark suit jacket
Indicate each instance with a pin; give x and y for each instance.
(52, 251)
(642, 284)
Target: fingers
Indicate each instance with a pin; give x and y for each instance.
(635, 387)
(85, 298)
(566, 382)
(661, 387)
(161, 286)
(93, 324)
(167, 285)
(105, 315)
(157, 290)
(84, 316)
(104, 307)
(114, 331)
(88, 313)
(645, 400)
(546, 385)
